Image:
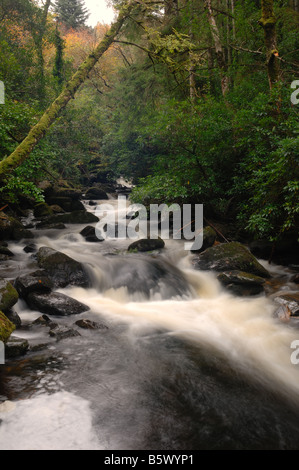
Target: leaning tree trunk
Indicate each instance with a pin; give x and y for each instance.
(22, 152)
(268, 22)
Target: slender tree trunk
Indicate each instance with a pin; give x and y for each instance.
(220, 54)
(38, 40)
(268, 22)
(22, 152)
(192, 83)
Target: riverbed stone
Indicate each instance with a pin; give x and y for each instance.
(55, 303)
(8, 295)
(89, 233)
(147, 244)
(12, 229)
(16, 347)
(229, 257)
(291, 300)
(60, 332)
(62, 269)
(42, 209)
(90, 325)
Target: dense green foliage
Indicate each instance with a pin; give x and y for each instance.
(154, 110)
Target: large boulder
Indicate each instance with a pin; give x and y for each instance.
(55, 303)
(8, 295)
(229, 257)
(6, 328)
(146, 244)
(62, 269)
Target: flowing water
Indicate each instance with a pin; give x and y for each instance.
(182, 364)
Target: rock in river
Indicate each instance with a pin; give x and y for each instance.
(229, 257)
(55, 303)
(61, 269)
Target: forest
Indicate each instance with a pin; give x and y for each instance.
(154, 343)
(192, 102)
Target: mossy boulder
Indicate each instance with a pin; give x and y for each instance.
(242, 283)
(8, 295)
(61, 269)
(229, 257)
(12, 229)
(42, 209)
(6, 328)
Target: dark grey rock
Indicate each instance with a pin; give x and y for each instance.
(55, 303)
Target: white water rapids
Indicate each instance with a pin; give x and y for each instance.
(113, 389)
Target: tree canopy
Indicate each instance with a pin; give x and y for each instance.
(191, 100)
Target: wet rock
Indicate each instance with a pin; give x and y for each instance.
(146, 244)
(33, 282)
(209, 238)
(291, 300)
(6, 327)
(8, 295)
(16, 347)
(61, 269)
(20, 233)
(147, 277)
(44, 320)
(6, 252)
(242, 283)
(229, 257)
(95, 193)
(283, 313)
(92, 203)
(76, 217)
(89, 233)
(62, 332)
(55, 304)
(31, 248)
(14, 318)
(295, 278)
(90, 325)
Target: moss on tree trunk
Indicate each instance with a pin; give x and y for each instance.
(22, 152)
(268, 22)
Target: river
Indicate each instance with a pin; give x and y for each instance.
(182, 364)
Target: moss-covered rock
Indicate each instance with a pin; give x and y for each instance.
(242, 283)
(6, 328)
(228, 257)
(8, 295)
(12, 229)
(42, 209)
(208, 240)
